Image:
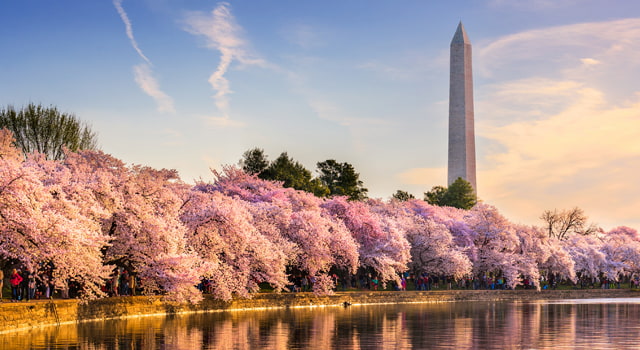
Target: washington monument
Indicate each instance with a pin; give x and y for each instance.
(462, 145)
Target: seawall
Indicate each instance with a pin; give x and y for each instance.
(39, 313)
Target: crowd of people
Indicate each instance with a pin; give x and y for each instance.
(121, 283)
(26, 286)
(23, 286)
(407, 281)
(428, 282)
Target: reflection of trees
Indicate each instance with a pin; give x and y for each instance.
(395, 332)
(181, 337)
(322, 330)
(462, 325)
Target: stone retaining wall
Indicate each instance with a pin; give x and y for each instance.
(26, 315)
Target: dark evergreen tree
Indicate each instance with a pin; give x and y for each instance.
(403, 196)
(254, 161)
(293, 174)
(459, 195)
(436, 195)
(341, 179)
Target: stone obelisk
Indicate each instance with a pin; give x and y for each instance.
(462, 146)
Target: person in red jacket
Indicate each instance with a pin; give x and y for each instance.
(15, 280)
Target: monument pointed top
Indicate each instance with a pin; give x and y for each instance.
(460, 37)
(462, 149)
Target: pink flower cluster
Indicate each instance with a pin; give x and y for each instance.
(89, 214)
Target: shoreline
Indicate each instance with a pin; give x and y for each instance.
(23, 316)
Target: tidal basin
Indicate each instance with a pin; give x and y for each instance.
(602, 323)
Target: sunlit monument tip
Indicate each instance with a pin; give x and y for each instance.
(462, 148)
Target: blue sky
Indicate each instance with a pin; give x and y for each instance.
(191, 85)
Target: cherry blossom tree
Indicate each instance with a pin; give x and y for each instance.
(590, 261)
(622, 248)
(452, 218)
(551, 255)
(148, 232)
(540, 252)
(383, 247)
(42, 227)
(294, 220)
(236, 256)
(89, 215)
(322, 244)
(138, 209)
(433, 250)
(497, 247)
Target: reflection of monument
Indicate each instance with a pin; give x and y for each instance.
(462, 145)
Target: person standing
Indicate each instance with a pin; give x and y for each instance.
(15, 279)
(132, 284)
(374, 283)
(32, 287)
(24, 285)
(124, 283)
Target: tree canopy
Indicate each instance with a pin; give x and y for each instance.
(254, 161)
(459, 195)
(290, 172)
(89, 215)
(334, 179)
(341, 179)
(436, 195)
(402, 196)
(47, 130)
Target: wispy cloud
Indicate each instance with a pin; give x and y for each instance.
(304, 36)
(407, 65)
(128, 28)
(327, 110)
(148, 83)
(392, 72)
(548, 51)
(143, 74)
(538, 5)
(583, 155)
(223, 122)
(222, 33)
(589, 61)
(564, 135)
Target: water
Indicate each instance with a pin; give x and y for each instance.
(565, 324)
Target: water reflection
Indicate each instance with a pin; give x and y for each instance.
(595, 324)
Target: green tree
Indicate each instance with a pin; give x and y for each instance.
(294, 175)
(341, 179)
(459, 195)
(436, 195)
(47, 130)
(403, 196)
(254, 161)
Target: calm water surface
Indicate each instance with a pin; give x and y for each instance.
(565, 324)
